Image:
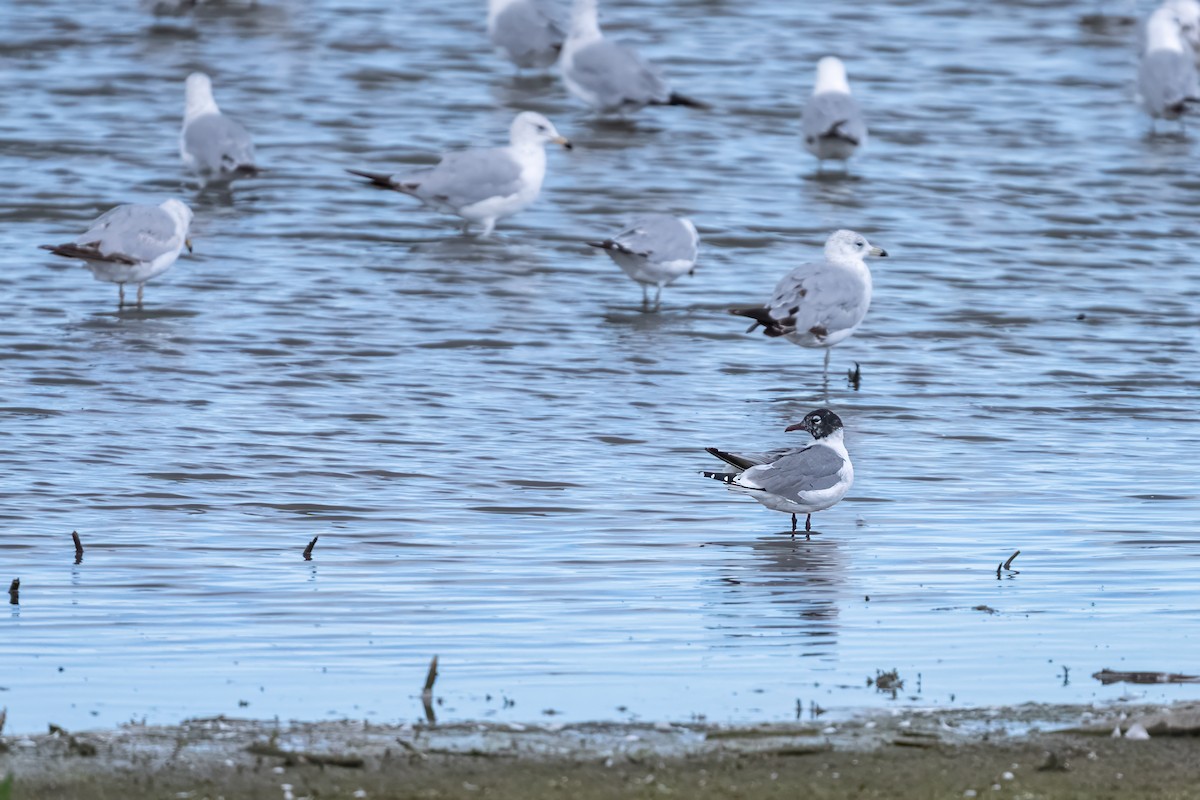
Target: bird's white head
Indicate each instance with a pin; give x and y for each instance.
(531, 129)
(199, 96)
(1164, 31)
(847, 245)
(496, 6)
(179, 211)
(1187, 16)
(831, 76)
(585, 21)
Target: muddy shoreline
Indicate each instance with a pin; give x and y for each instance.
(1033, 751)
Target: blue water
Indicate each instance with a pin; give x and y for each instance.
(500, 453)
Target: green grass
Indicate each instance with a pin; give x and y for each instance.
(6, 788)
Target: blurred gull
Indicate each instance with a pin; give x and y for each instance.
(799, 480)
(1167, 79)
(1187, 17)
(607, 76)
(211, 143)
(527, 32)
(131, 244)
(833, 123)
(483, 185)
(819, 304)
(654, 251)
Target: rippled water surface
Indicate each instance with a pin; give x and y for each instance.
(500, 453)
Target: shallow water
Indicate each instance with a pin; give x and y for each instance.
(500, 452)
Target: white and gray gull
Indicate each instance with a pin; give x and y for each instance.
(654, 251)
(796, 480)
(608, 76)
(820, 303)
(210, 143)
(526, 32)
(483, 185)
(1167, 77)
(834, 127)
(131, 244)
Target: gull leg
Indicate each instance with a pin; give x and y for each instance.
(140, 287)
(658, 299)
(645, 298)
(793, 523)
(827, 360)
(120, 296)
(488, 225)
(807, 527)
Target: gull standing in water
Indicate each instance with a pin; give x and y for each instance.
(527, 32)
(820, 303)
(483, 185)
(131, 244)
(654, 251)
(798, 480)
(606, 75)
(833, 123)
(1167, 79)
(211, 143)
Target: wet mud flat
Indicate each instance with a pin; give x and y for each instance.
(1033, 751)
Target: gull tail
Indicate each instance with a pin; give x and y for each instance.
(761, 316)
(677, 99)
(380, 179)
(729, 458)
(87, 252)
(835, 131)
(609, 244)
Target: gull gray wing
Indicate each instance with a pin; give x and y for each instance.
(616, 76)
(1166, 80)
(834, 114)
(809, 469)
(660, 237)
(528, 33)
(466, 177)
(218, 144)
(817, 299)
(129, 233)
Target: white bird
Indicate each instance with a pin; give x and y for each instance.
(799, 480)
(654, 251)
(820, 303)
(607, 76)
(211, 143)
(483, 185)
(833, 123)
(131, 244)
(1167, 79)
(527, 32)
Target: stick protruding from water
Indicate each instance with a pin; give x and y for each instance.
(308, 550)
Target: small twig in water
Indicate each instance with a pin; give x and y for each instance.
(78, 547)
(308, 550)
(1008, 563)
(14, 590)
(427, 692)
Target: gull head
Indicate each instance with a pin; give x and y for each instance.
(531, 128)
(831, 76)
(1165, 31)
(842, 245)
(1187, 17)
(585, 22)
(820, 423)
(179, 212)
(199, 96)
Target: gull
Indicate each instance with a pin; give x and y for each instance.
(211, 143)
(608, 76)
(819, 304)
(1187, 18)
(797, 480)
(525, 31)
(833, 122)
(1167, 79)
(483, 185)
(654, 251)
(131, 244)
